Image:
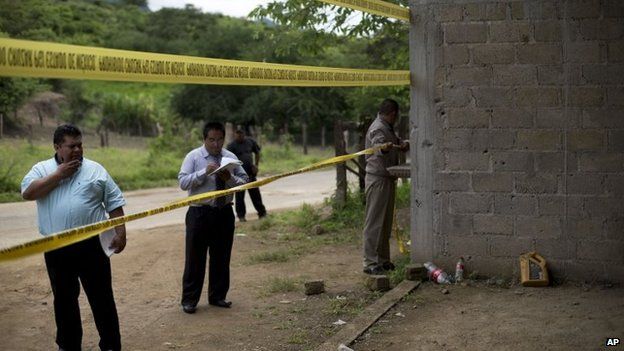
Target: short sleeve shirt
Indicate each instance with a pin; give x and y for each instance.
(81, 199)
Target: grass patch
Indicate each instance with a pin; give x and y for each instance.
(299, 337)
(272, 256)
(398, 274)
(346, 306)
(280, 285)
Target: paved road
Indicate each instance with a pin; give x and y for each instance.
(18, 221)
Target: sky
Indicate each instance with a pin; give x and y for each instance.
(234, 8)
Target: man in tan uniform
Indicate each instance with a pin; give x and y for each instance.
(380, 188)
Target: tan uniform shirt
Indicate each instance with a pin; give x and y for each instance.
(381, 132)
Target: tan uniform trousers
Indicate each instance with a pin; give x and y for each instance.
(380, 193)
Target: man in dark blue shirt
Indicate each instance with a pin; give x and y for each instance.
(245, 149)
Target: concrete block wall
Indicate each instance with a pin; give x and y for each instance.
(527, 122)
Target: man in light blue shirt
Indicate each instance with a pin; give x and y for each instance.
(72, 191)
(209, 224)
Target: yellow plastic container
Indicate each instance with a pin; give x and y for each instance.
(533, 271)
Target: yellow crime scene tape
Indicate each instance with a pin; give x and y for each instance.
(376, 7)
(23, 58)
(74, 235)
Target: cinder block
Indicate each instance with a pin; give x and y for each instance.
(549, 205)
(553, 249)
(467, 246)
(455, 225)
(605, 29)
(616, 141)
(510, 247)
(615, 51)
(468, 161)
(613, 8)
(586, 139)
(548, 31)
(493, 96)
(508, 204)
(585, 228)
(586, 97)
(609, 251)
(584, 8)
(462, 203)
(510, 32)
(465, 139)
(495, 11)
(314, 287)
(465, 32)
(493, 224)
(603, 206)
(452, 181)
(575, 206)
(615, 228)
(474, 12)
(601, 162)
(512, 161)
(456, 55)
(604, 74)
(549, 162)
(540, 140)
(493, 53)
(544, 54)
(603, 118)
(415, 271)
(456, 96)
(468, 76)
(614, 186)
(502, 139)
(585, 52)
(517, 10)
(492, 182)
(515, 75)
(539, 227)
(557, 75)
(449, 13)
(377, 282)
(558, 118)
(468, 118)
(512, 118)
(584, 183)
(615, 96)
(537, 97)
(537, 184)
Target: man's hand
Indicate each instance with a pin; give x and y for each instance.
(224, 175)
(404, 146)
(211, 167)
(386, 147)
(67, 169)
(118, 243)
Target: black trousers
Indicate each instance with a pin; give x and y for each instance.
(82, 263)
(209, 231)
(256, 200)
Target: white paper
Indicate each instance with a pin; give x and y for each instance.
(228, 164)
(106, 238)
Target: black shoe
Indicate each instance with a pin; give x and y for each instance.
(221, 303)
(260, 216)
(388, 266)
(374, 270)
(188, 308)
(242, 219)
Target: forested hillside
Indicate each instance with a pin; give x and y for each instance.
(137, 108)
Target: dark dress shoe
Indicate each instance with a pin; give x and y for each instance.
(374, 270)
(190, 309)
(221, 303)
(388, 266)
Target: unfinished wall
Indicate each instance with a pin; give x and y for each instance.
(518, 128)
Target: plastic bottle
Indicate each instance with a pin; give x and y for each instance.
(437, 274)
(459, 270)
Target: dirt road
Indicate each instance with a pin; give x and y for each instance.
(19, 220)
